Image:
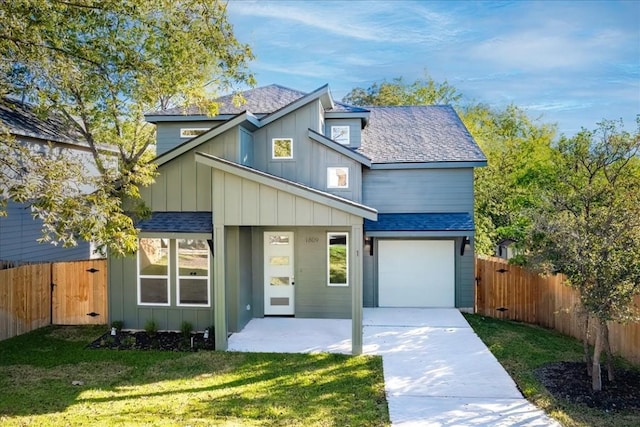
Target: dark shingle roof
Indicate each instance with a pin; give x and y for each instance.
(421, 222)
(22, 120)
(432, 133)
(340, 107)
(259, 101)
(177, 222)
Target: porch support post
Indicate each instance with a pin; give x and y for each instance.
(355, 256)
(219, 297)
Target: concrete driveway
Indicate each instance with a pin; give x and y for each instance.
(437, 371)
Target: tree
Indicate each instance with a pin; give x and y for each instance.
(518, 150)
(425, 91)
(588, 227)
(99, 66)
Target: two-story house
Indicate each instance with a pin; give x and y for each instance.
(294, 204)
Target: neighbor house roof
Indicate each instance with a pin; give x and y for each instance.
(418, 134)
(22, 120)
(177, 222)
(412, 222)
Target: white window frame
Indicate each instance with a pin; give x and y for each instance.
(178, 277)
(346, 236)
(331, 173)
(339, 128)
(273, 148)
(154, 276)
(183, 132)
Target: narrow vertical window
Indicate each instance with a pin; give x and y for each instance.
(153, 271)
(338, 259)
(193, 273)
(282, 148)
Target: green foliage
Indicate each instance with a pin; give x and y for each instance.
(98, 67)
(425, 91)
(151, 327)
(338, 264)
(118, 324)
(518, 150)
(186, 328)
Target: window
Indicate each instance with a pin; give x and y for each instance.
(191, 132)
(193, 272)
(338, 177)
(340, 134)
(338, 259)
(282, 148)
(153, 272)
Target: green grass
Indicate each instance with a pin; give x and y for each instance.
(168, 388)
(522, 348)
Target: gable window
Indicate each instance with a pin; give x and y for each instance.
(340, 134)
(282, 148)
(338, 177)
(193, 272)
(153, 272)
(338, 259)
(191, 132)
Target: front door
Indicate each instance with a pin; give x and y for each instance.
(278, 273)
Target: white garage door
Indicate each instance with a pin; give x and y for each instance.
(416, 273)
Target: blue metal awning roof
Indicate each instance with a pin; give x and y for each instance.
(421, 222)
(177, 222)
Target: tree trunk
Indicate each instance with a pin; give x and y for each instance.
(607, 349)
(585, 344)
(596, 377)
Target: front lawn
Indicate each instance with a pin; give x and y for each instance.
(38, 372)
(523, 349)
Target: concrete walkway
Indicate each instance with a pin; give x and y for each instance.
(437, 371)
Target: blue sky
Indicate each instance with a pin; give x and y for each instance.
(571, 63)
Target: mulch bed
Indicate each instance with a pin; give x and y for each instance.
(569, 381)
(165, 341)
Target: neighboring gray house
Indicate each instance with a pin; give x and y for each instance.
(19, 231)
(294, 204)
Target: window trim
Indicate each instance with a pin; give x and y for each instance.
(331, 170)
(273, 148)
(347, 136)
(178, 277)
(346, 236)
(154, 276)
(183, 130)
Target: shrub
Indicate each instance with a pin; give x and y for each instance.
(151, 327)
(186, 329)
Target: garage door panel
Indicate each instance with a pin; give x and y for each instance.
(416, 273)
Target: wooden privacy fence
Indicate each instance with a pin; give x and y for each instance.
(62, 293)
(507, 291)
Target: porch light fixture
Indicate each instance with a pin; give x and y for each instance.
(466, 244)
(368, 244)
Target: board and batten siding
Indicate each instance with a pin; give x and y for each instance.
(239, 280)
(168, 134)
(310, 158)
(418, 190)
(355, 130)
(183, 184)
(19, 234)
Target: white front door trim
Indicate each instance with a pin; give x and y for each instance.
(279, 280)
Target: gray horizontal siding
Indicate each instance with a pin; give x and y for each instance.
(418, 190)
(19, 233)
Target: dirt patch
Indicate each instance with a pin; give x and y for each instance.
(165, 341)
(569, 381)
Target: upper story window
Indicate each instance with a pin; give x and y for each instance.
(338, 177)
(282, 148)
(153, 272)
(340, 134)
(191, 132)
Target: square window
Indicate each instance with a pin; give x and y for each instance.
(338, 259)
(282, 148)
(338, 177)
(340, 134)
